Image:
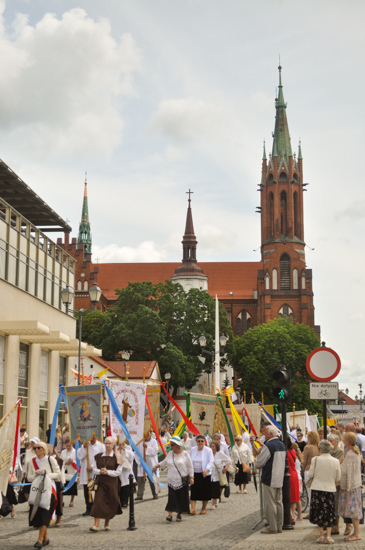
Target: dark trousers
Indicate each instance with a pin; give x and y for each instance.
(86, 497)
(141, 485)
(124, 495)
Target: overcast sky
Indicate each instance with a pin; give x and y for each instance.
(153, 97)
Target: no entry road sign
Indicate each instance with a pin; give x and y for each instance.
(323, 364)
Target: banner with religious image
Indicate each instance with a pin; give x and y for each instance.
(153, 394)
(203, 408)
(84, 405)
(254, 413)
(7, 438)
(220, 424)
(131, 400)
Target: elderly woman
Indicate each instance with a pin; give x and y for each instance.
(241, 455)
(202, 459)
(180, 474)
(294, 479)
(310, 451)
(40, 464)
(350, 501)
(338, 453)
(68, 456)
(107, 467)
(219, 471)
(325, 473)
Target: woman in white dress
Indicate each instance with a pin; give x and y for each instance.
(220, 466)
(202, 459)
(241, 455)
(68, 457)
(180, 475)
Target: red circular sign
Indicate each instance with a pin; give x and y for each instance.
(323, 364)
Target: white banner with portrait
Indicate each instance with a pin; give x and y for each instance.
(131, 400)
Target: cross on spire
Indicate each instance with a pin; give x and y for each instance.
(189, 193)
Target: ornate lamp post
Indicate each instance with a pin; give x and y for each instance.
(125, 356)
(215, 355)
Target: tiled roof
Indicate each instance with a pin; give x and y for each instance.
(135, 368)
(240, 278)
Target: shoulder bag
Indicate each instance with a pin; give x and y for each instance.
(185, 479)
(310, 480)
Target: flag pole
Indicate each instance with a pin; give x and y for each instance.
(9, 411)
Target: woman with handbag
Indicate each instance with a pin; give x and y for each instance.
(241, 456)
(322, 477)
(43, 464)
(219, 471)
(180, 475)
(202, 459)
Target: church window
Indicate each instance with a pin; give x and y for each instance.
(270, 178)
(284, 272)
(283, 213)
(79, 285)
(267, 281)
(295, 279)
(303, 281)
(296, 215)
(275, 279)
(286, 312)
(243, 322)
(86, 285)
(283, 176)
(295, 177)
(271, 214)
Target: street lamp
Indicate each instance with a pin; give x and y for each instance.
(67, 295)
(125, 356)
(215, 355)
(167, 378)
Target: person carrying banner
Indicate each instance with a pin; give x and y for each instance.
(68, 457)
(202, 459)
(86, 456)
(40, 464)
(128, 457)
(107, 466)
(180, 475)
(150, 450)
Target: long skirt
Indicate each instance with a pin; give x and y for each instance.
(216, 490)
(59, 509)
(178, 500)
(72, 492)
(106, 502)
(11, 496)
(241, 478)
(322, 509)
(350, 504)
(42, 516)
(201, 490)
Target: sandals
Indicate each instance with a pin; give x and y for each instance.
(329, 540)
(178, 518)
(169, 518)
(321, 540)
(203, 512)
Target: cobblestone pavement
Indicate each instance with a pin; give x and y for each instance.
(229, 527)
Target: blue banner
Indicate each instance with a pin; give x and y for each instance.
(84, 408)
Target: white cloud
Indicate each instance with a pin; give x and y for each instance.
(60, 82)
(112, 253)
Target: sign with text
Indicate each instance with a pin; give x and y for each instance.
(84, 407)
(323, 390)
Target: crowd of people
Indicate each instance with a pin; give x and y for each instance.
(198, 470)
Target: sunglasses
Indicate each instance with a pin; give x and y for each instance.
(237, 440)
(200, 441)
(37, 448)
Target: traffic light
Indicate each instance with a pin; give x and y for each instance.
(282, 389)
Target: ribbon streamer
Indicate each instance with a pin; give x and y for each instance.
(154, 426)
(231, 438)
(188, 422)
(61, 396)
(250, 423)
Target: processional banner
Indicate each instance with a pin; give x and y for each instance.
(202, 410)
(84, 407)
(7, 438)
(298, 419)
(254, 412)
(130, 398)
(153, 394)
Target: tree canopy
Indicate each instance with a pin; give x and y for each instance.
(262, 349)
(159, 322)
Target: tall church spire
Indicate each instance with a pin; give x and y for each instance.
(189, 274)
(281, 142)
(84, 238)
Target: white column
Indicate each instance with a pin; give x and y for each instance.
(11, 371)
(53, 382)
(71, 363)
(216, 356)
(34, 375)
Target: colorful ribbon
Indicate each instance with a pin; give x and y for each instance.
(188, 422)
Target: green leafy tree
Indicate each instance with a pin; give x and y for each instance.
(162, 322)
(262, 349)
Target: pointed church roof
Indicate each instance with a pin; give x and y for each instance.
(281, 143)
(84, 237)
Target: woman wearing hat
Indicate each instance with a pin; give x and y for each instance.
(40, 463)
(241, 455)
(202, 459)
(180, 475)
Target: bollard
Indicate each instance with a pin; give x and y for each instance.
(132, 523)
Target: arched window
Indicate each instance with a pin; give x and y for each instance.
(283, 213)
(295, 279)
(274, 279)
(303, 281)
(267, 281)
(271, 214)
(296, 215)
(270, 178)
(283, 176)
(284, 272)
(295, 177)
(243, 322)
(79, 285)
(286, 312)
(86, 285)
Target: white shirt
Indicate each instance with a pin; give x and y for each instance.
(127, 467)
(69, 470)
(206, 457)
(220, 460)
(95, 449)
(178, 465)
(150, 454)
(111, 473)
(186, 443)
(241, 453)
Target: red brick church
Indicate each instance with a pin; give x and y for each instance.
(252, 292)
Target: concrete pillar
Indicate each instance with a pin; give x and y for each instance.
(33, 389)
(71, 379)
(53, 382)
(11, 371)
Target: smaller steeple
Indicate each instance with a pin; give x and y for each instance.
(300, 151)
(84, 238)
(264, 153)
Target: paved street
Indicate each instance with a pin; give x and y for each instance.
(227, 528)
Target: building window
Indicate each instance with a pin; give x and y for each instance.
(274, 279)
(79, 285)
(303, 282)
(243, 322)
(23, 381)
(86, 285)
(283, 213)
(295, 279)
(271, 214)
(284, 272)
(297, 232)
(267, 281)
(283, 176)
(286, 312)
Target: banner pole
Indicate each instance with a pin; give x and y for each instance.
(9, 411)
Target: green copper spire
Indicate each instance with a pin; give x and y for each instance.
(84, 238)
(281, 143)
(300, 151)
(264, 153)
